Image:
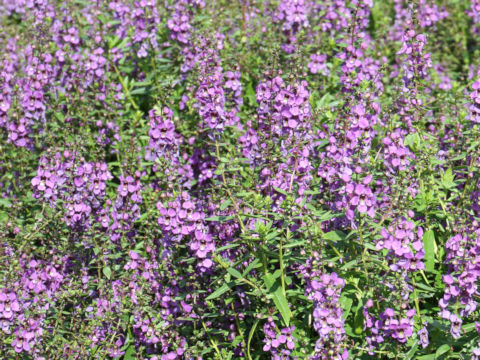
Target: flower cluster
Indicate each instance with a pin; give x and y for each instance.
(27, 337)
(180, 22)
(474, 106)
(414, 68)
(23, 306)
(476, 351)
(183, 218)
(318, 64)
(324, 290)
(9, 307)
(404, 245)
(292, 14)
(359, 197)
(280, 345)
(284, 107)
(80, 187)
(474, 11)
(461, 281)
(397, 156)
(389, 324)
(210, 98)
(195, 180)
(430, 13)
(125, 210)
(162, 136)
(284, 118)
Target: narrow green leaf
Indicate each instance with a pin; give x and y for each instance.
(429, 248)
(250, 94)
(219, 218)
(425, 287)
(107, 272)
(5, 202)
(349, 264)
(281, 191)
(220, 291)
(335, 235)
(442, 350)
(275, 289)
(409, 355)
(60, 116)
(358, 319)
(254, 264)
(226, 247)
(426, 357)
(250, 336)
(139, 91)
(130, 353)
(346, 304)
(235, 273)
(295, 244)
(271, 235)
(468, 327)
(225, 204)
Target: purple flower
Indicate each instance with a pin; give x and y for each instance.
(318, 64)
(279, 344)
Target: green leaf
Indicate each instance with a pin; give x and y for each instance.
(420, 203)
(346, 304)
(235, 273)
(442, 350)
(281, 191)
(60, 116)
(219, 218)
(5, 202)
(3, 217)
(412, 140)
(220, 291)
(253, 265)
(237, 340)
(468, 327)
(139, 91)
(335, 235)
(271, 235)
(425, 287)
(447, 179)
(426, 357)
(409, 355)
(107, 272)
(226, 247)
(429, 248)
(250, 94)
(225, 204)
(295, 244)
(358, 320)
(130, 353)
(250, 336)
(274, 288)
(349, 264)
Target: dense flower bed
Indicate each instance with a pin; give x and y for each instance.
(285, 179)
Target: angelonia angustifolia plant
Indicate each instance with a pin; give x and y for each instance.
(220, 180)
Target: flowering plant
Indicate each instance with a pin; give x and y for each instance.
(285, 179)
